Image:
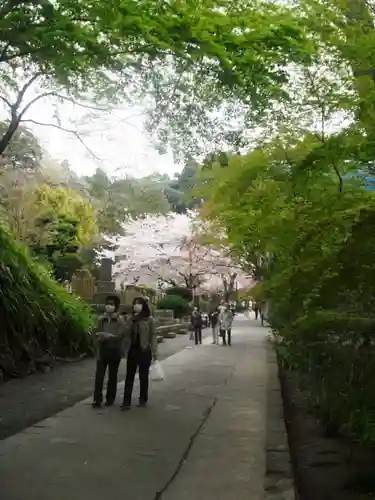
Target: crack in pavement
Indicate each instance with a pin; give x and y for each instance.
(206, 414)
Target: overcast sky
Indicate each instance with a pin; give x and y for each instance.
(115, 138)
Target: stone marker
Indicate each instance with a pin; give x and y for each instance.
(105, 285)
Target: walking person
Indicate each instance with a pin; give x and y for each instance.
(140, 349)
(109, 344)
(196, 323)
(214, 322)
(263, 312)
(256, 309)
(225, 324)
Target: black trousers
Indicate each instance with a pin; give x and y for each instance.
(113, 364)
(198, 334)
(141, 359)
(225, 334)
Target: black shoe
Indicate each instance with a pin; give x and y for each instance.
(125, 407)
(109, 403)
(142, 404)
(96, 404)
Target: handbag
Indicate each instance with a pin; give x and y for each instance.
(157, 372)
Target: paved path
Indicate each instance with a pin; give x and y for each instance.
(202, 438)
(23, 402)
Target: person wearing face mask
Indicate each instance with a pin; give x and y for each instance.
(109, 343)
(197, 323)
(141, 348)
(225, 324)
(214, 320)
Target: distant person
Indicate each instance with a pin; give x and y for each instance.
(263, 312)
(256, 309)
(214, 322)
(141, 348)
(196, 323)
(225, 324)
(109, 343)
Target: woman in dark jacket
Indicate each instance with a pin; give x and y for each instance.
(140, 348)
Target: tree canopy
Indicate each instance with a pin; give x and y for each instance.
(188, 59)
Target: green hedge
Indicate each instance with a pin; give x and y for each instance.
(334, 353)
(177, 304)
(38, 317)
(322, 302)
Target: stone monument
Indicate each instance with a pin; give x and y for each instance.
(104, 285)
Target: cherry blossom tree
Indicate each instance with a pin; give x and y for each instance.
(169, 251)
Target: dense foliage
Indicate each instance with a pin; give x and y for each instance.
(182, 291)
(188, 59)
(176, 303)
(298, 211)
(310, 246)
(39, 319)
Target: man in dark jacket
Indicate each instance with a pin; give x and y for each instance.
(109, 337)
(196, 323)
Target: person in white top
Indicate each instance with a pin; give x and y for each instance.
(225, 324)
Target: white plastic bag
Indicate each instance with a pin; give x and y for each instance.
(157, 372)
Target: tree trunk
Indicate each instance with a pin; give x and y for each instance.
(228, 285)
(7, 137)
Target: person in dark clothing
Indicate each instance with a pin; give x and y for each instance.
(141, 348)
(196, 323)
(214, 321)
(109, 343)
(256, 310)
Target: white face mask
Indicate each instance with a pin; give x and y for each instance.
(110, 308)
(137, 308)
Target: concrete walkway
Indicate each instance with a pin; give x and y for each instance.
(26, 401)
(202, 438)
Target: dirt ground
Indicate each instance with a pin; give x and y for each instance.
(326, 468)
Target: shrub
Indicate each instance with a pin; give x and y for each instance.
(38, 317)
(181, 291)
(310, 244)
(177, 304)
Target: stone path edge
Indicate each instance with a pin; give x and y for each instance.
(279, 480)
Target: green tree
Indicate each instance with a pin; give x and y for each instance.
(40, 320)
(118, 200)
(68, 204)
(304, 239)
(185, 293)
(176, 303)
(234, 54)
(23, 152)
